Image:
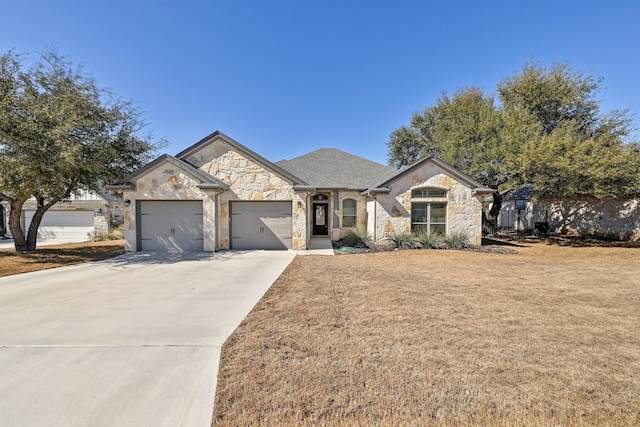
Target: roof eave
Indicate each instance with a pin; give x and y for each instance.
(212, 186)
(379, 190)
(483, 191)
(120, 186)
(304, 188)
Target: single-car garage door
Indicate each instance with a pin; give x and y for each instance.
(170, 226)
(76, 225)
(261, 225)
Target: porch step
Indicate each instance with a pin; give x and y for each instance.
(321, 243)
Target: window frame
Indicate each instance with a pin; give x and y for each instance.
(428, 199)
(353, 215)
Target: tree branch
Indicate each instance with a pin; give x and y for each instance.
(5, 197)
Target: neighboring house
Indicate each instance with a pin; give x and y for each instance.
(617, 218)
(218, 194)
(115, 207)
(80, 217)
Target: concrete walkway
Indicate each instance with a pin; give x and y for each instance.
(133, 341)
(318, 246)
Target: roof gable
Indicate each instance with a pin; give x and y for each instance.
(205, 180)
(252, 155)
(451, 171)
(332, 168)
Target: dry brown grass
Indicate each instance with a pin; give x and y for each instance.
(57, 256)
(548, 336)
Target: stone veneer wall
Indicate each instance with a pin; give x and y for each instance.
(248, 181)
(101, 225)
(361, 210)
(393, 210)
(165, 182)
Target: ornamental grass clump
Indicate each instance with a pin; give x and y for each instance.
(429, 240)
(457, 240)
(404, 240)
(356, 239)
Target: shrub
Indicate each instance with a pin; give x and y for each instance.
(356, 239)
(457, 240)
(115, 234)
(429, 240)
(404, 240)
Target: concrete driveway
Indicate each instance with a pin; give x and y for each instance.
(133, 341)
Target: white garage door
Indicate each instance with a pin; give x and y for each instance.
(261, 225)
(170, 226)
(77, 225)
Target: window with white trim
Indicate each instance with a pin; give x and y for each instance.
(429, 210)
(348, 213)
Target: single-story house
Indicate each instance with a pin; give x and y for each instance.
(80, 217)
(218, 194)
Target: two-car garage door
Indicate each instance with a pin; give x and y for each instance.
(178, 225)
(261, 225)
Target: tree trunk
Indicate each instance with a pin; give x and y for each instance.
(32, 233)
(15, 225)
(494, 212)
(29, 243)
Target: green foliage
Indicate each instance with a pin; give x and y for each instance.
(404, 240)
(429, 240)
(462, 130)
(457, 240)
(2, 230)
(546, 131)
(60, 134)
(356, 239)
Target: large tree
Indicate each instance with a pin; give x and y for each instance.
(562, 143)
(60, 133)
(546, 131)
(463, 130)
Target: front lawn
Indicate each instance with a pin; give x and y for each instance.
(46, 257)
(547, 336)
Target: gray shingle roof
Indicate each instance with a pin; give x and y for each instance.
(331, 168)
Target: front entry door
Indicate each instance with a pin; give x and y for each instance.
(320, 219)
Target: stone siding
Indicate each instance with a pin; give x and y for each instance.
(361, 211)
(464, 209)
(101, 225)
(248, 181)
(166, 182)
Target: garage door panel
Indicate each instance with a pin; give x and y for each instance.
(63, 224)
(261, 225)
(171, 226)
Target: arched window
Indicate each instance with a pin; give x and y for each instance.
(429, 210)
(348, 213)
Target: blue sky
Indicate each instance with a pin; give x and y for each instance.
(288, 77)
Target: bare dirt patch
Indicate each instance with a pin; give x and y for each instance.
(547, 336)
(57, 256)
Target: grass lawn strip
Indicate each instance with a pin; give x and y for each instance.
(548, 336)
(57, 256)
